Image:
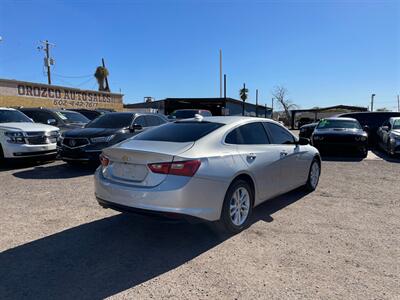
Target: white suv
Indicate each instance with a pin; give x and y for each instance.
(20, 137)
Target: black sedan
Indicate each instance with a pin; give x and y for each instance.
(340, 136)
(307, 130)
(86, 144)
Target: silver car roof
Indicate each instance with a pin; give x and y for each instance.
(229, 119)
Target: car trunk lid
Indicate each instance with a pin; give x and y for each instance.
(129, 160)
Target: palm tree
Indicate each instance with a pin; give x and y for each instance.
(243, 96)
(101, 74)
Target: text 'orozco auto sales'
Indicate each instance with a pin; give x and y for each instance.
(63, 97)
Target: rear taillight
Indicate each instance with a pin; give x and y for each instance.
(180, 168)
(104, 160)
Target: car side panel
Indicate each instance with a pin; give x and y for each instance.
(263, 162)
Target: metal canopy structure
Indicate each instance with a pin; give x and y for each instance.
(217, 106)
(345, 108)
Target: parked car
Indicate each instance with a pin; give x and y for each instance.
(20, 137)
(340, 135)
(304, 121)
(389, 136)
(63, 119)
(307, 130)
(89, 113)
(181, 114)
(216, 168)
(371, 121)
(85, 144)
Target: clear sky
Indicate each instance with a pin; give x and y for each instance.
(323, 52)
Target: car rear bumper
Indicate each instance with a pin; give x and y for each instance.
(188, 196)
(25, 150)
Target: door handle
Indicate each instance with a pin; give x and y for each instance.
(283, 153)
(251, 156)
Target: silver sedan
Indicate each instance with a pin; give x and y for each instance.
(212, 168)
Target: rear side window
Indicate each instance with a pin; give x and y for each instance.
(248, 134)
(39, 116)
(141, 120)
(153, 121)
(279, 135)
(179, 132)
(205, 113)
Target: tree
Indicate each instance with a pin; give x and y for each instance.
(101, 74)
(243, 96)
(280, 94)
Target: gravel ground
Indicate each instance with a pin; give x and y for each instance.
(340, 242)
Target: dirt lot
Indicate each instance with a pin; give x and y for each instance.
(340, 242)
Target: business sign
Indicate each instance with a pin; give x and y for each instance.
(58, 96)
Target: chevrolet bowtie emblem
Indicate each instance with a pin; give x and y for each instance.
(125, 158)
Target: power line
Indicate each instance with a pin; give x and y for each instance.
(77, 76)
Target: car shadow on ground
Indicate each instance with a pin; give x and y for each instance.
(102, 258)
(22, 164)
(341, 157)
(58, 171)
(383, 155)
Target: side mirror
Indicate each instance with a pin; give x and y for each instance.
(365, 128)
(52, 122)
(385, 128)
(303, 141)
(135, 127)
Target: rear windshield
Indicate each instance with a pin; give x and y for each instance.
(327, 124)
(112, 120)
(71, 117)
(179, 132)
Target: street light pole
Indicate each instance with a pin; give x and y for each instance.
(372, 102)
(256, 102)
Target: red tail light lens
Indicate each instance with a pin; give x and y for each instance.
(104, 160)
(179, 168)
(161, 168)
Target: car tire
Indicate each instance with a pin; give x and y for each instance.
(364, 152)
(313, 176)
(2, 159)
(234, 209)
(389, 149)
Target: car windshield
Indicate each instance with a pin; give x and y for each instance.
(70, 117)
(179, 132)
(329, 124)
(396, 124)
(112, 120)
(184, 114)
(8, 116)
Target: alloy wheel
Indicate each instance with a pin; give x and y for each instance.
(239, 206)
(314, 174)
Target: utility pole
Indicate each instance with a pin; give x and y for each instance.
(265, 111)
(220, 73)
(272, 105)
(104, 66)
(372, 102)
(398, 103)
(256, 102)
(225, 86)
(47, 60)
